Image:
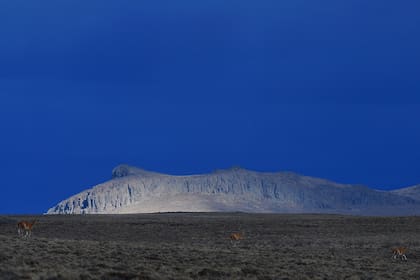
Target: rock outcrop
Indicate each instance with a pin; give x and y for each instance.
(134, 190)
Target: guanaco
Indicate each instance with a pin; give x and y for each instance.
(236, 237)
(399, 252)
(25, 228)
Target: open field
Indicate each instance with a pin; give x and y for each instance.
(197, 246)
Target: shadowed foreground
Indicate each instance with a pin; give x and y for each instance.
(197, 246)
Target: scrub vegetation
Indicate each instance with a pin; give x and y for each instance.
(198, 246)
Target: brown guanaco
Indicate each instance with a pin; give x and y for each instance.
(25, 228)
(236, 237)
(399, 252)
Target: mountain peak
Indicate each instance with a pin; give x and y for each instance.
(124, 170)
(235, 168)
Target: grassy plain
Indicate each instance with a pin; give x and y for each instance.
(197, 246)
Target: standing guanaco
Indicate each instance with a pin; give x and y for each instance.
(399, 252)
(236, 237)
(25, 228)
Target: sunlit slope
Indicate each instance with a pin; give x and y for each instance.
(134, 190)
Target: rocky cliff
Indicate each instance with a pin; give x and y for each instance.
(134, 190)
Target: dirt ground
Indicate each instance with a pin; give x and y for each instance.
(197, 246)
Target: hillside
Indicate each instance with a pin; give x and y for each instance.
(134, 190)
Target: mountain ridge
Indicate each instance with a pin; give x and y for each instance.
(136, 190)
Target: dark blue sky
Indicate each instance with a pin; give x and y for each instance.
(323, 88)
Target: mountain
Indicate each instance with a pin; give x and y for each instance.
(411, 192)
(134, 190)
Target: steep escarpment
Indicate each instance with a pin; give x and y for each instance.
(134, 190)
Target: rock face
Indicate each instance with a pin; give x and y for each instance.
(134, 190)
